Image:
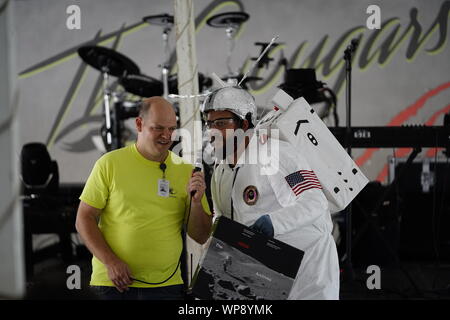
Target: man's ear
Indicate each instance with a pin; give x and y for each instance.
(245, 125)
(138, 122)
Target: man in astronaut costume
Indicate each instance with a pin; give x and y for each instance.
(265, 199)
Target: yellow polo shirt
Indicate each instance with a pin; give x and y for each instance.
(141, 227)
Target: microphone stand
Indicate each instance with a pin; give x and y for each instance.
(348, 55)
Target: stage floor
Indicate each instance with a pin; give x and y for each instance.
(416, 280)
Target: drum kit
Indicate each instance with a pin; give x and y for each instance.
(127, 73)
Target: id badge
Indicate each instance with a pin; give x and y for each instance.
(163, 188)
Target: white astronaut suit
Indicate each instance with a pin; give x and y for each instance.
(273, 178)
(248, 191)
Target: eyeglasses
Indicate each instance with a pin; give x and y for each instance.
(219, 123)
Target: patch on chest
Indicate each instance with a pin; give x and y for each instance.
(250, 195)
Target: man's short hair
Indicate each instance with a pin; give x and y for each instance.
(144, 107)
(148, 102)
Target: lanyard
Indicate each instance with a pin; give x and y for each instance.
(163, 167)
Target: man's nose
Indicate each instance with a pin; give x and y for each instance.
(166, 134)
(213, 132)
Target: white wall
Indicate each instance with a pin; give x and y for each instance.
(381, 89)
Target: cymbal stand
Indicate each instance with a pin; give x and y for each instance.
(107, 108)
(165, 68)
(230, 30)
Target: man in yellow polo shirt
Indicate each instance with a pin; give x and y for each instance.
(132, 210)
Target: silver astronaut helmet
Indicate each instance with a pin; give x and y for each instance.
(233, 99)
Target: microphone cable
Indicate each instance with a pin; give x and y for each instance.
(196, 169)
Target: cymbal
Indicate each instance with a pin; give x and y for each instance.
(160, 19)
(141, 85)
(228, 19)
(108, 60)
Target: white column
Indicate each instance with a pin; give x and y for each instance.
(12, 265)
(189, 107)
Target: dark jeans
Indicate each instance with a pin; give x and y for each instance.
(174, 292)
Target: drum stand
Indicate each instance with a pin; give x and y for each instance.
(166, 21)
(165, 66)
(230, 21)
(230, 30)
(110, 63)
(107, 109)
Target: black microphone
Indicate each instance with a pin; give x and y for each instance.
(198, 167)
(353, 45)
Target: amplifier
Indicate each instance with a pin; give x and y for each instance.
(424, 204)
(424, 174)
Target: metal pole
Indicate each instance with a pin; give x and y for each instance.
(165, 66)
(107, 107)
(348, 216)
(348, 101)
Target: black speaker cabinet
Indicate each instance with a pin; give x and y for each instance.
(424, 191)
(375, 226)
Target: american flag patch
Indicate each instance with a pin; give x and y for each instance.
(303, 180)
